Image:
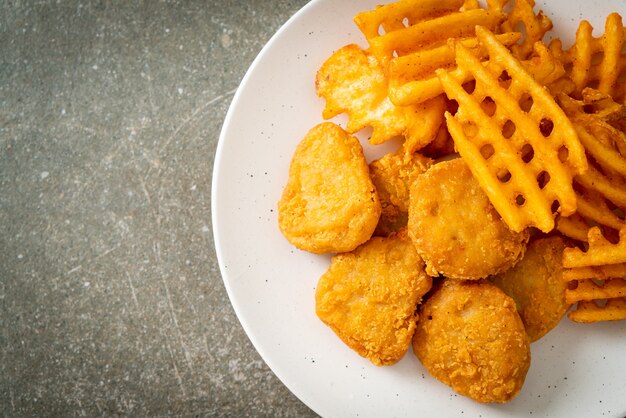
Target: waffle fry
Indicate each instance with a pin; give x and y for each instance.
(506, 147)
(588, 312)
(412, 77)
(573, 226)
(534, 26)
(354, 82)
(398, 15)
(597, 276)
(433, 32)
(599, 62)
(602, 187)
(607, 110)
(601, 252)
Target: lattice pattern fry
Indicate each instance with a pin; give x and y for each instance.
(534, 25)
(401, 14)
(599, 62)
(599, 190)
(517, 141)
(597, 278)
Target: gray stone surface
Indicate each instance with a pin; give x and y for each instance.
(111, 300)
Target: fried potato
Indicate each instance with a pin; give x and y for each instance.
(393, 175)
(536, 285)
(597, 278)
(509, 146)
(354, 82)
(329, 204)
(455, 228)
(470, 337)
(368, 297)
(535, 25)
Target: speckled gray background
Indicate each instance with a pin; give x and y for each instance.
(111, 300)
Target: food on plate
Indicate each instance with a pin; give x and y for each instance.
(353, 81)
(603, 187)
(470, 337)
(535, 25)
(598, 62)
(524, 160)
(501, 138)
(329, 203)
(413, 78)
(455, 228)
(393, 175)
(597, 278)
(536, 285)
(368, 297)
(413, 41)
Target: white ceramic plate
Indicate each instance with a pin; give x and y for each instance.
(576, 371)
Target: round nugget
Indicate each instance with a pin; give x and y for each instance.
(470, 337)
(369, 297)
(537, 287)
(455, 228)
(329, 204)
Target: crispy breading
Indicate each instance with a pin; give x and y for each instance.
(455, 228)
(393, 175)
(536, 285)
(329, 204)
(368, 297)
(470, 337)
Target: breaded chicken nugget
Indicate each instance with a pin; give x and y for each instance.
(369, 297)
(329, 204)
(393, 175)
(537, 287)
(455, 228)
(470, 337)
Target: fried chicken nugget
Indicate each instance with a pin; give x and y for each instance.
(455, 228)
(470, 337)
(537, 286)
(369, 297)
(393, 175)
(329, 204)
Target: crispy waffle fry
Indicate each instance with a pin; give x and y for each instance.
(603, 106)
(354, 82)
(573, 226)
(524, 160)
(535, 26)
(597, 278)
(413, 80)
(587, 311)
(398, 15)
(601, 252)
(412, 77)
(599, 62)
(600, 189)
(432, 32)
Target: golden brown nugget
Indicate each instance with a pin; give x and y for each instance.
(470, 337)
(393, 175)
(368, 297)
(455, 228)
(329, 204)
(536, 285)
